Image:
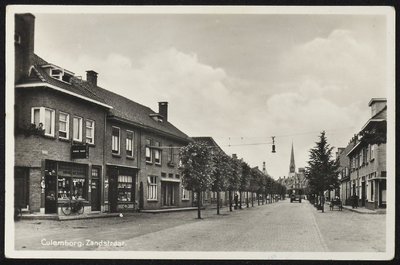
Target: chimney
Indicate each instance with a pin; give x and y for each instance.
(234, 156)
(91, 76)
(24, 40)
(163, 109)
(376, 104)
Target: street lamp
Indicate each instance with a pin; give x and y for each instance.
(273, 144)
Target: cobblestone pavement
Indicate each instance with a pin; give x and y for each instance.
(277, 227)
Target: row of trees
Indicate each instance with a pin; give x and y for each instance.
(206, 168)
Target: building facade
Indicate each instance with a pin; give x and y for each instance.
(368, 162)
(76, 140)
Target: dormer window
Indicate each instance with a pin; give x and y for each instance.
(157, 117)
(58, 73)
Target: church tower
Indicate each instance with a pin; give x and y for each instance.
(292, 166)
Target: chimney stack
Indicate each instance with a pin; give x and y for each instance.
(24, 40)
(91, 76)
(234, 156)
(163, 109)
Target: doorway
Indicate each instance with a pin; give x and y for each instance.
(50, 205)
(363, 194)
(21, 187)
(95, 195)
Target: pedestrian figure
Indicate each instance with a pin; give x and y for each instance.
(355, 201)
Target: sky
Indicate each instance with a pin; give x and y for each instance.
(239, 78)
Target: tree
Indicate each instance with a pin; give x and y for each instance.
(196, 169)
(244, 181)
(233, 178)
(376, 135)
(222, 169)
(322, 172)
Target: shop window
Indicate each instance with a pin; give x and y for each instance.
(95, 172)
(77, 129)
(74, 188)
(129, 143)
(152, 188)
(89, 131)
(149, 157)
(44, 118)
(115, 140)
(124, 188)
(106, 185)
(63, 131)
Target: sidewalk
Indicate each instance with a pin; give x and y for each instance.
(361, 210)
(56, 217)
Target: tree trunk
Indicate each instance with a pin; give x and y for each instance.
(258, 199)
(252, 199)
(217, 202)
(230, 200)
(247, 199)
(199, 204)
(240, 203)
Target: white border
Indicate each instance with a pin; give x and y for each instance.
(328, 10)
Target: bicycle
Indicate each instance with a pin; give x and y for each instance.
(17, 213)
(72, 207)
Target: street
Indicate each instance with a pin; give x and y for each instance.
(277, 227)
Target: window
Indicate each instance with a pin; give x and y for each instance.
(125, 188)
(72, 181)
(115, 140)
(185, 195)
(149, 157)
(129, 143)
(152, 188)
(63, 130)
(171, 154)
(90, 131)
(157, 154)
(44, 118)
(372, 152)
(77, 129)
(170, 175)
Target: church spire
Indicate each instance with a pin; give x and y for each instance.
(292, 167)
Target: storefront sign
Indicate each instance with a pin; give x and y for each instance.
(79, 151)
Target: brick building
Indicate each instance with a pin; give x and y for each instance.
(368, 162)
(76, 139)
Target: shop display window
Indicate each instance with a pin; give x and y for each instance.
(125, 188)
(75, 187)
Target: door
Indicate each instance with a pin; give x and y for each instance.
(50, 204)
(363, 194)
(113, 193)
(141, 196)
(170, 194)
(95, 199)
(164, 193)
(21, 187)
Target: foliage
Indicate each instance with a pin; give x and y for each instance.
(196, 166)
(322, 172)
(222, 170)
(245, 178)
(376, 135)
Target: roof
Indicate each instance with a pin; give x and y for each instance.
(209, 141)
(121, 108)
(376, 100)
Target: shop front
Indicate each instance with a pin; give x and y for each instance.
(120, 189)
(64, 181)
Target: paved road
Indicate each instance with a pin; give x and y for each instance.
(277, 227)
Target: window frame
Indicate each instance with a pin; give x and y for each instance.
(42, 119)
(92, 130)
(185, 192)
(131, 145)
(66, 125)
(80, 133)
(159, 152)
(118, 151)
(149, 159)
(152, 188)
